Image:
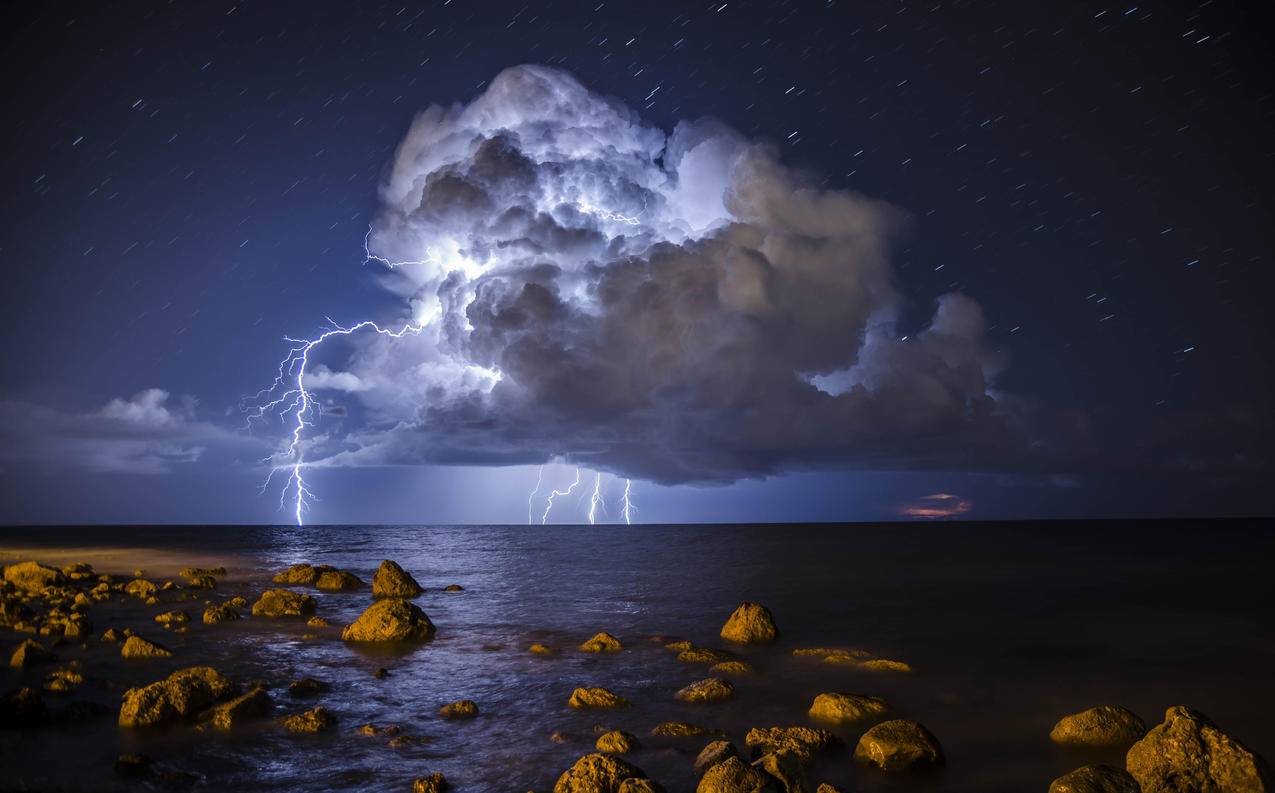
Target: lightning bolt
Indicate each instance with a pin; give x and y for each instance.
(539, 478)
(549, 504)
(288, 397)
(596, 500)
(628, 502)
(430, 256)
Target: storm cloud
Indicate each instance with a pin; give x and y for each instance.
(676, 307)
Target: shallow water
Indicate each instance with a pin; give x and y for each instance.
(1008, 626)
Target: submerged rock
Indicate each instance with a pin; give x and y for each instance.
(598, 773)
(711, 690)
(63, 680)
(318, 622)
(137, 647)
(222, 613)
(898, 745)
(174, 617)
(731, 668)
(434, 783)
(453, 588)
(300, 575)
(32, 576)
(460, 709)
(254, 704)
(179, 696)
(338, 581)
(392, 581)
(540, 649)
(1105, 725)
(200, 572)
(283, 603)
(712, 754)
(704, 655)
(751, 623)
(617, 742)
(1095, 779)
(596, 697)
(202, 582)
(237, 602)
(390, 620)
(733, 775)
(1187, 752)
(313, 720)
(601, 643)
(133, 766)
(308, 687)
(873, 664)
(838, 708)
(680, 729)
(373, 731)
(30, 653)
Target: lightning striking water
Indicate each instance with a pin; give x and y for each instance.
(293, 400)
(549, 504)
(628, 502)
(596, 500)
(539, 478)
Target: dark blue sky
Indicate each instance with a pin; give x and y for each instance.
(186, 184)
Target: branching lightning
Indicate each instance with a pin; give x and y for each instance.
(553, 493)
(628, 502)
(596, 502)
(288, 398)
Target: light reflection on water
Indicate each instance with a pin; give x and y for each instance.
(1009, 628)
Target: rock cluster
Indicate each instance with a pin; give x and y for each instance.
(180, 696)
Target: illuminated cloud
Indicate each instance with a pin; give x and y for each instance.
(938, 505)
(676, 308)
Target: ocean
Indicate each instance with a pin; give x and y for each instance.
(1007, 626)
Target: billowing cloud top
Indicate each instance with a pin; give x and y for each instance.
(677, 308)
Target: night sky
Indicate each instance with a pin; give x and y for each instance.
(186, 184)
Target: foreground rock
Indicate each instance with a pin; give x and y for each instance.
(254, 704)
(1105, 725)
(600, 773)
(137, 647)
(711, 690)
(283, 603)
(390, 620)
(838, 708)
(601, 643)
(392, 581)
(712, 754)
(751, 623)
(1187, 752)
(617, 742)
(180, 696)
(434, 783)
(899, 745)
(735, 776)
(596, 697)
(460, 709)
(1095, 779)
(313, 720)
(33, 577)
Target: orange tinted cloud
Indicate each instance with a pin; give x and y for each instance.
(938, 505)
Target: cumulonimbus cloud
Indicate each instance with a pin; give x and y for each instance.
(674, 307)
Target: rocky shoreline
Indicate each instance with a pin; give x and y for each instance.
(49, 612)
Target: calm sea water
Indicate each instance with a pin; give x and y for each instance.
(1008, 626)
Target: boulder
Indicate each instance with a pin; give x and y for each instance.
(838, 708)
(731, 668)
(898, 745)
(805, 740)
(434, 783)
(200, 572)
(338, 581)
(751, 623)
(318, 622)
(283, 603)
(390, 620)
(254, 704)
(222, 613)
(733, 775)
(598, 773)
(680, 729)
(181, 695)
(453, 588)
(1187, 752)
(460, 709)
(30, 653)
(300, 575)
(237, 602)
(308, 687)
(601, 643)
(392, 581)
(711, 690)
(137, 647)
(617, 742)
(596, 697)
(1095, 779)
(1105, 725)
(32, 576)
(704, 655)
(63, 680)
(313, 720)
(712, 754)
(788, 768)
(140, 588)
(174, 617)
